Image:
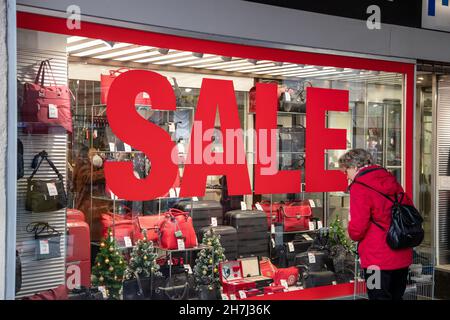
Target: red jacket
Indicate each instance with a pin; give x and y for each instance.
(373, 249)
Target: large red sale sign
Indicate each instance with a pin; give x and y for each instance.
(218, 96)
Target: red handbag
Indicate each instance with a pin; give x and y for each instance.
(277, 274)
(177, 225)
(272, 217)
(105, 83)
(58, 293)
(45, 106)
(149, 223)
(296, 216)
(121, 226)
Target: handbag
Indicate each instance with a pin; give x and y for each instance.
(272, 211)
(46, 105)
(58, 293)
(48, 240)
(137, 288)
(121, 226)
(106, 81)
(277, 274)
(45, 195)
(180, 286)
(149, 223)
(177, 225)
(296, 216)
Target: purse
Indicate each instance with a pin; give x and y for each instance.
(45, 195)
(177, 225)
(106, 81)
(272, 212)
(296, 216)
(121, 226)
(48, 240)
(58, 293)
(150, 223)
(45, 106)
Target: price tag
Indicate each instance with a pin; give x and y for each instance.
(171, 127)
(284, 283)
(127, 147)
(181, 148)
(112, 147)
(224, 297)
(311, 203)
(291, 246)
(301, 288)
(258, 207)
(311, 258)
(172, 193)
(311, 226)
(243, 206)
(188, 268)
(180, 243)
(214, 221)
(233, 297)
(273, 243)
(102, 289)
(128, 242)
(334, 283)
(272, 228)
(287, 96)
(307, 237)
(194, 199)
(52, 111)
(319, 224)
(145, 95)
(44, 247)
(52, 189)
(177, 191)
(242, 294)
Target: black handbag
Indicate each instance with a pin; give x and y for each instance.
(48, 240)
(179, 286)
(45, 195)
(140, 288)
(84, 293)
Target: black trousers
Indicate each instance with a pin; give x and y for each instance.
(392, 284)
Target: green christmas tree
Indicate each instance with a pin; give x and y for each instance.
(206, 269)
(338, 235)
(143, 260)
(109, 267)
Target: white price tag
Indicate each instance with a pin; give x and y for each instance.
(311, 203)
(188, 268)
(284, 283)
(181, 148)
(273, 243)
(52, 111)
(307, 237)
(128, 242)
(171, 127)
(44, 247)
(311, 225)
(224, 297)
(194, 199)
(52, 189)
(127, 147)
(172, 193)
(291, 246)
(311, 258)
(319, 224)
(112, 146)
(272, 228)
(233, 297)
(243, 206)
(259, 207)
(214, 221)
(181, 245)
(287, 96)
(102, 289)
(242, 294)
(334, 283)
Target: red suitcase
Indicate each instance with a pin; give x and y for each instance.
(78, 274)
(75, 214)
(78, 241)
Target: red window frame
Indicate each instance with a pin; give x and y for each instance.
(58, 25)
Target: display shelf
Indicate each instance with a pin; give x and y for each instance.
(287, 113)
(105, 198)
(295, 232)
(199, 247)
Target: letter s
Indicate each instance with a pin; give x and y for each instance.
(143, 135)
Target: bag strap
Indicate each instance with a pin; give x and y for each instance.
(139, 283)
(40, 74)
(41, 227)
(47, 62)
(379, 192)
(44, 156)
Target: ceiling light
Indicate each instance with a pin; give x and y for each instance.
(163, 51)
(420, 78)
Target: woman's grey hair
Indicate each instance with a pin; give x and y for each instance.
(355, 158)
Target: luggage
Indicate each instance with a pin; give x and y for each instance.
(78, 241)
(318, 278)
(45, 106)
(75, 215)
(78, 274)
(177, 226)
(228, 239)
(285, 254)
(292, 103)
(202, 212)
(251, 227)
(314, 261)
(228, 202)
(296, 216)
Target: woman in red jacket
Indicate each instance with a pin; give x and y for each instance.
(385, 270)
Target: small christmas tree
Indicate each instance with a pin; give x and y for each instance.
(206, 269)
(109, 267)
(143, 260)
(338, 235)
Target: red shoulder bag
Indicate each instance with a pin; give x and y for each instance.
(177, 225)
(296, 216)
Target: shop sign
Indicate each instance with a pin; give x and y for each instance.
(436, 15)
(218, 96)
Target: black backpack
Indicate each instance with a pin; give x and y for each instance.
(406, 229)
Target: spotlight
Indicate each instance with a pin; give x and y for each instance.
(163, 51)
